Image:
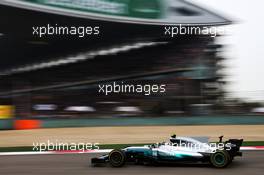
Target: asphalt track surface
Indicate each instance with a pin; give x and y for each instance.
(252, 163)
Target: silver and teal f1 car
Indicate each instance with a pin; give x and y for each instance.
(177, 150)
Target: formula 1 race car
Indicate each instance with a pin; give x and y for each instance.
(177, 150)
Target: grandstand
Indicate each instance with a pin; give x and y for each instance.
(45, 77)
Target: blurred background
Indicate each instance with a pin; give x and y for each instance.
(204, 76)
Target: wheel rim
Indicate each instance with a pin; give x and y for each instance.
(219, 159)
(116, 158)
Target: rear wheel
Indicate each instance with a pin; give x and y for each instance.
(117, 158)
(220, 159)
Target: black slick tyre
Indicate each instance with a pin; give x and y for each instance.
(220, 159)
(117, 158)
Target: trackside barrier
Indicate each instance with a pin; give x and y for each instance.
(26, 124)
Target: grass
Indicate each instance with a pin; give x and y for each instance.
(110, 146)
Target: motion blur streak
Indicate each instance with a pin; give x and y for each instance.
(83, 57)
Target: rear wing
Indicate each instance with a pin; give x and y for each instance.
(235, 146)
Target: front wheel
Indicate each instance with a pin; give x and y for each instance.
(220, 159)
(117, 158)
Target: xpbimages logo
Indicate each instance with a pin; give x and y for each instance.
(201, 147)
(147, 89)
(173, 31)
(64, 146)
(80, 31)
